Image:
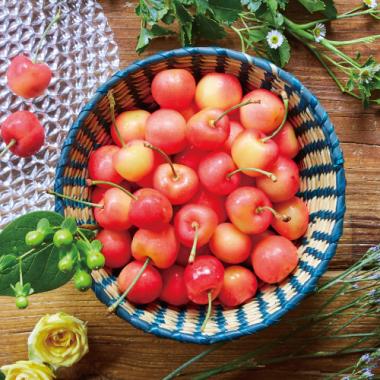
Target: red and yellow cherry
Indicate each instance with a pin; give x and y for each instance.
(116, 247)
(194, 224)
(208, 129)
(173, 88)
(174, 289)
(190, 157)
(166, 129)
(298, 212)
(287, 180)
(178, 183)
(148, 286)
(287, 142)
(27, 78)
(239, 285)
(131, 126)
(216, 203)
(100, 165)
(274, 258)
(247, 208)
(160, 246)
(218, 90)
(114, 211)
(184, 254)
(249, 150)
(255, 239)
(204, 277)
(97, 192)
(235, 129)
(150, 210)
(147, 181)
(189, 111)
(22, 133)
(229, 244)
(265, 116)
(134, 161)
(216, 173)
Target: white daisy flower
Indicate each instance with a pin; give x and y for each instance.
(370, 3)
(319, 32)
(275, 39)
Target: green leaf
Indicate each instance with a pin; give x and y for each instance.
(40, 267)
(330, 11)
(281, 55)
(6, 263)
(185, 20)
(96, 245)
(152, 13)
(146, 36)
(204, 26)
(201, 6)
(252, 5)
(257, 35)
(70, 224)
(83, 246)
(2, 376)
(313, 5)
(226, 11)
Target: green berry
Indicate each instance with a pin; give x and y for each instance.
(22, 302)
(95, 260)
(34, 238)
(66, 263)
(62, 237)
(82, 280)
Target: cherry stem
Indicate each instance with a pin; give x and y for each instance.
(111, 100)
(208, 314)
(285, 99)
(193, 251)
(51, 192)
(9, 145)
(164, 155)
(113, 307)
(44, 34)
(284, 218)
(256, 170)
(91, 182)
(242, 104)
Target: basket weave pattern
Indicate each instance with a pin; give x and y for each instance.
(322, 187)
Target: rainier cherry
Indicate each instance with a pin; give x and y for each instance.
(286, 141)
(287, 180)
(218, 90)
(131, 126)
(216, 173)
(298, 212)
(160, 246)
(205, 198)
(116, 247)
(190, 156)
(23, 134)
(189, 111)
(173, 88)
(239, 285)
(100, 165)
(174, 289)
(265, 116)
(184, 254)
(229, 244)
(235, 129)
(274, 258)
(139, 282)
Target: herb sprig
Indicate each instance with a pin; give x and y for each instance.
(263, 28)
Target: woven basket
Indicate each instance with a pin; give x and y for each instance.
(322, 187)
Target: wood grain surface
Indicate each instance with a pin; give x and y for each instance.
(119, 351)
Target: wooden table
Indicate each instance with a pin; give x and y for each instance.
(119, 351)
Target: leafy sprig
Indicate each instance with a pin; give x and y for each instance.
(263, 28)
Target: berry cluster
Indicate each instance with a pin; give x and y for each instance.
(201, 193)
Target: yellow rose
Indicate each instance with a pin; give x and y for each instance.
(59, 340)
(27, 370)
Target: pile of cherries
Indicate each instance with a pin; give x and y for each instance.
(200, 194)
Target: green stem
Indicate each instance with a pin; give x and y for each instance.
(113, 307)
(7, 147)
(52, 22)
(368, 39)
(193, 251)
(284, 218)
(209, 309)
(91, 182)
(285, 99)
(183, 366)
(33, 250)
(255, 170)
(83, 236)
(242, 104)
(165, 156)
(112, 104)
(20, 271)
(51, 192)
(238, 32)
